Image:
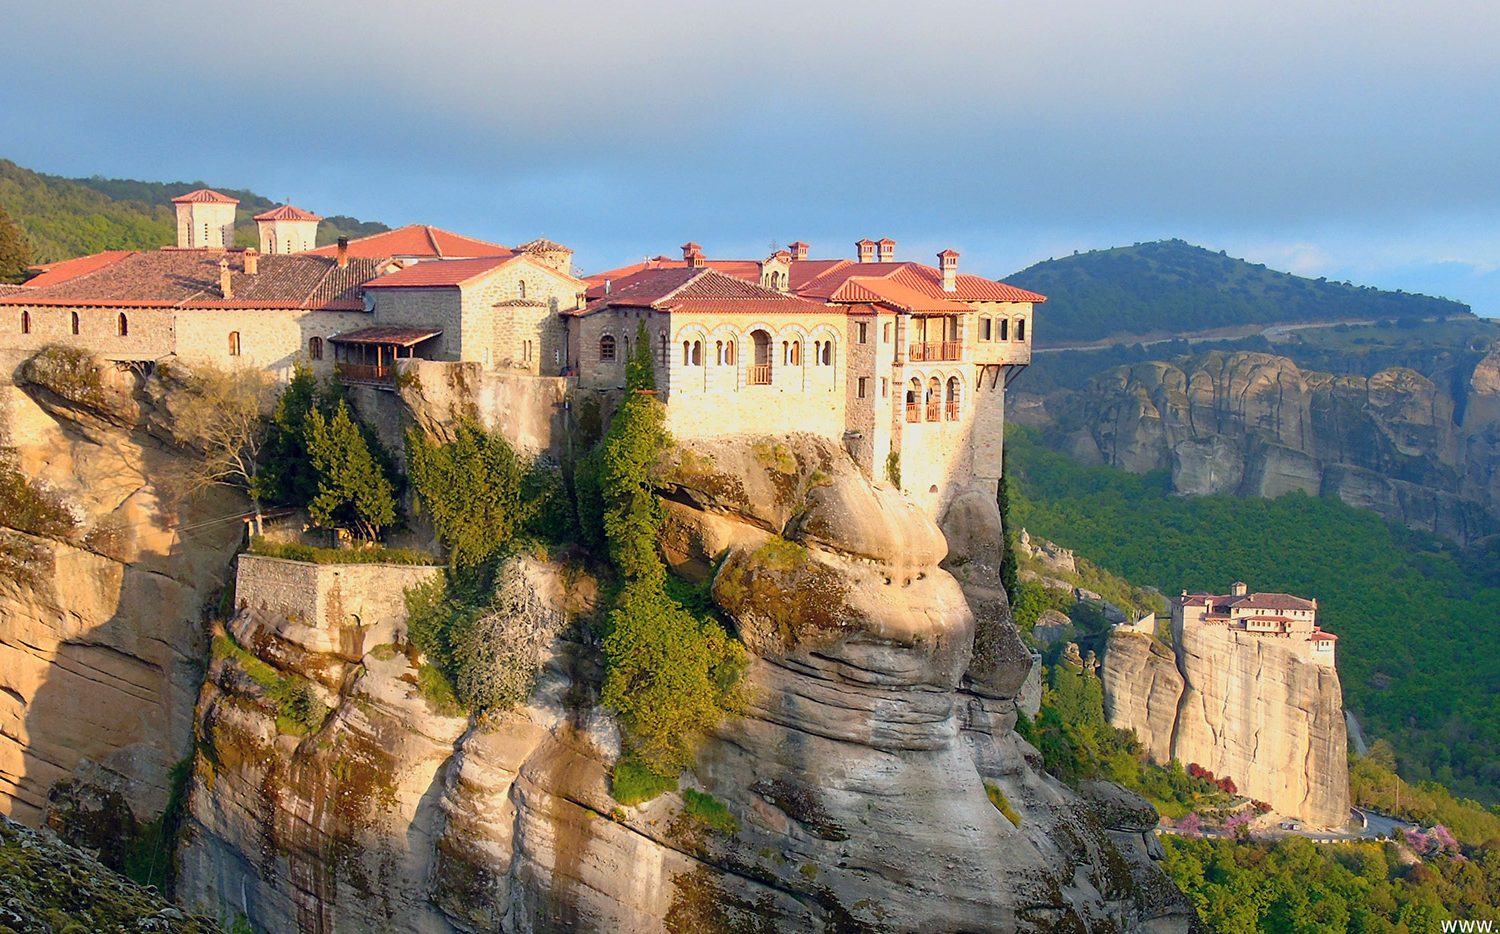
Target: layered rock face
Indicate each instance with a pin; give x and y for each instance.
(1240, 705)
(1255, 424)
(855, 783)
(100, 622)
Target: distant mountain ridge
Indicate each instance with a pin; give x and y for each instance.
(66, 217)
(1172, 287)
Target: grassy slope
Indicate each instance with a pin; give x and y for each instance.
(1417, 620)
(1174, 287)
(71, 217)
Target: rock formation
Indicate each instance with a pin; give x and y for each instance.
(100, 633)
(1254, 424)
(859, 782)
(1241, 705)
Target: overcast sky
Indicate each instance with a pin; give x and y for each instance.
(1354, 140)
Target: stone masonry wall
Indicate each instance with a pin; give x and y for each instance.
(339, 608)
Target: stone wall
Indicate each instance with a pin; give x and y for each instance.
(339, 608)
(150, 337)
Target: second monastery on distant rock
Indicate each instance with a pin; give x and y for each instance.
(902, 363)
(1274, 615)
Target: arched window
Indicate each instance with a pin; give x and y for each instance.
(234, 343)
(606, 348)
(760, 369)
(796, 353)
(122, 325)
(1020, 329)
(827, 357)
(25, 322)
(75, 322)
(697, 353)
(664, 343)
(718, 353)
(1004, 329)
(521, 289)
(729, 353)
(315, 348)
(914, 400)
(934, 400)
(687, 354)
(953, 391)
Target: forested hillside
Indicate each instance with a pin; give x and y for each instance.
(1415, 616)
(1172, 287)
(65, 217)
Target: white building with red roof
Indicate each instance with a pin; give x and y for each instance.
(903, 363)
(1272, 615)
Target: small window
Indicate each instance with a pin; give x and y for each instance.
(687, 356)
(1005, 329)
(885, 333)
(521, 289)
(786, 353)
(729, 353)
(984, 329)
(315, 348)
(75, 322)
(25, 322)
(663, 343)
(827, 359)
(718, 353)
(697, 353)
(1020, 329)
(863, 383)
(796, 353)
(122, 325)
(885, 388)
(863, 332)
(234, 343)
(606, 347)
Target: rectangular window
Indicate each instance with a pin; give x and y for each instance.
(885, 333)
(885, 388)
(863, 332)
(863, 382)
(984, 329)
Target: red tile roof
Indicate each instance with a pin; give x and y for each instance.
(8, 289)
(1321, 636)
(404, 337)
(542, 245)
(822, 279)
(1270, 601)
(63, 270)
(698, 289)
(441, 273)
(287, 213)
(417, 240)
(204, 196)
(190, 279)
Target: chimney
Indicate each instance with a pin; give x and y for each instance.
(799, 249)
(607, 286)
(692, 254)
(948, 263)
(252, 261)
(225, 289)
(887, 250)
(866, 250)
(343, 254)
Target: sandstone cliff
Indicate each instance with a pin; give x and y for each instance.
(856, 782)
(1255, 424)
(1243, 706)
(100, 632)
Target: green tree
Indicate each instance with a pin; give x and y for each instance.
(353, 489)
(471, 487)
(15, 250)
(289, 475)
(637, 438)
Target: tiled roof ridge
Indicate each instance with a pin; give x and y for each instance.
(686, 282)
(432, 239)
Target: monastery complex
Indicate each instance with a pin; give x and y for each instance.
(904, 364)
(1271, 615)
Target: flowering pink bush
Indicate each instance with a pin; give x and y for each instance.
(1191, 825)
(1238, 826)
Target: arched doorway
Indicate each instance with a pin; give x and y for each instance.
(760, 370)
(934, 400)
(914, 400)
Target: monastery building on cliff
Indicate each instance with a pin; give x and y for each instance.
(903, 364)
(1273, 615)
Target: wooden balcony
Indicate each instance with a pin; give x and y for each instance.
(934, 411)
(364, 372)
(936, 351)
(952, 409)
(913, 412)
(760, 374)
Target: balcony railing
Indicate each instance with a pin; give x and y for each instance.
(760, 374)
(364, 372)
(934, 411)
(952, 409)
(913, 412)
(935, 351)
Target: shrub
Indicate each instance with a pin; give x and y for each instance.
(710, 812)
(496, 656)
(632, 782)
(433, 685)
(292, 551)
(353, 489)
(1001, 803)
(298, 710)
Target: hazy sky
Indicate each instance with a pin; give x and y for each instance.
(1355, 140)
